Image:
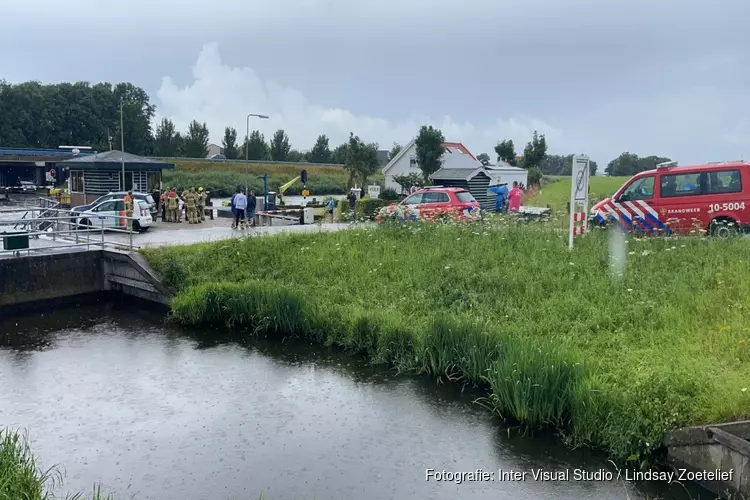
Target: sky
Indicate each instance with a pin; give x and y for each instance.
(597, 77)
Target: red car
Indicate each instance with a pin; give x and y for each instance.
(434, 202)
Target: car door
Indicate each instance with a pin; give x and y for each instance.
(680, 195)
(636, 207)
(433, 204)
(104, 213)
(118, 214)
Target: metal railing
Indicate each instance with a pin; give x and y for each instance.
(60, 229)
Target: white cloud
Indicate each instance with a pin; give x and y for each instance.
(222, 96)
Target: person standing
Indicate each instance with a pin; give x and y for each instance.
(252, 203)
(163, 205)
(501, 195)
(234, 209)
(331, 207)
(172, 206)
(129, 210)
(514, 198)
(190, 203)
(240, 203)
(201, 203)
(353, 205)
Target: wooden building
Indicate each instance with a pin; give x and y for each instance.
(90, 177)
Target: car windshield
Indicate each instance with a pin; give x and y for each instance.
(465, 197)
(414, 199)
(149, 199)
(143, 204)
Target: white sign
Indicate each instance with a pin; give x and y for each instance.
(580, 179)
(579, 197)
(373, 191)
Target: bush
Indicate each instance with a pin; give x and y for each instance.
(389, 194)
(367, 208)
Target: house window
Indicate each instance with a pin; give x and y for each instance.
(76, 181)
(412, 162)
(153, 181)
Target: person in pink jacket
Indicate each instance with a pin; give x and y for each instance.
(514, 198)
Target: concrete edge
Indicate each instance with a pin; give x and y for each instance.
(140, 263)
(688, 436)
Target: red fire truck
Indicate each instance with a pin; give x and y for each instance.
(713, 198)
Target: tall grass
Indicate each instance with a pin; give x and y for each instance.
(21, 478)
(222, 178)
(555, 339)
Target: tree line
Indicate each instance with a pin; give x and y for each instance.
(37, 115)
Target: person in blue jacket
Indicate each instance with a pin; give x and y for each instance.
(234, 208)
(501, 195)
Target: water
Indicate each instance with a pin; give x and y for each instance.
(152, 412)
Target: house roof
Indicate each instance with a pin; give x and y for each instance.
(112, 159)
(451, 148)
(457, 174)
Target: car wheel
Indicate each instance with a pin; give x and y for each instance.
(137, 226)
(84, 223)
(724, 228)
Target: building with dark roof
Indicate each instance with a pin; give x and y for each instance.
(91, 176)
(39, 166)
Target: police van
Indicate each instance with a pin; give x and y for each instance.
(713, 198)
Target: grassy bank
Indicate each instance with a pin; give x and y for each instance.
(222, 178)
(557, 194)
(21, 478)
(556, 340)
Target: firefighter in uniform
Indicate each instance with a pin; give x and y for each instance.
(172, 205)
(184, 210)
(163, 205)
(129, 209)
(190, 203)
(201, 205)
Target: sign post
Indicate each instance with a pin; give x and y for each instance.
(579, 197)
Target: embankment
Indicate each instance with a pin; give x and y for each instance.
(557, 340)
(221, 178)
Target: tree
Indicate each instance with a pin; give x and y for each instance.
(430, 150)
(137, 113)
(296, 156)
(320, 152)
(562, 165)
(195, 143)
(230, 143)
(167, 142)
(257, 147)
(361, 159)
(628, 164)
(506, 151)
(280, 146)
(408, 181)
(396, 149)
(338, 156)
(535, 151)
(484, 158)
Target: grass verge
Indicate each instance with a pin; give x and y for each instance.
(554, 337)
(222, 178)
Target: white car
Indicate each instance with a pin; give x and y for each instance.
(112, 214)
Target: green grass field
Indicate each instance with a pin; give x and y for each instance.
(610, 360)
(222, 178)
(557, 194)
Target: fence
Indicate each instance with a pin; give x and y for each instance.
(50, 227)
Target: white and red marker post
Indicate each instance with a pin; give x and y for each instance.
(579, 198)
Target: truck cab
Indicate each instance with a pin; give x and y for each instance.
(712, 198)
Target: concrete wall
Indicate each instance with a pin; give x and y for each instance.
(37, 278)
(44, 277)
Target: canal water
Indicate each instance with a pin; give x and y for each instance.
(152, 412)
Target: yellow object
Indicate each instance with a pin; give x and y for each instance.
(286, 186)
(305, 193)
(200, 189)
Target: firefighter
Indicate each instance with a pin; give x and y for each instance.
(163, 205)
(129, 209)
(184, 204)
(172, 205)
(201, 205)
(190, 202)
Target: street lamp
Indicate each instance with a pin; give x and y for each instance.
(122, 146)
(247, 149)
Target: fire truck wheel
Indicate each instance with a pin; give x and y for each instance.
(724, 228)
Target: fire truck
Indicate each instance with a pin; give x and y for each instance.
(712, 198)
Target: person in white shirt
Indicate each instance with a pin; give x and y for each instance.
(240, 203)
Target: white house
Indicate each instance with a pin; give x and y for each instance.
(504, 173)
(405, 162)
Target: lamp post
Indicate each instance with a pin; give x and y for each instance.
(122, 147)
(247, 149)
